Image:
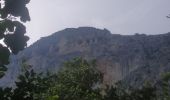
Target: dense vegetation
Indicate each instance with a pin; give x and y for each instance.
(13, 13)
(78, 80)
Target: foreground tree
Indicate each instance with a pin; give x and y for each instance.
(165, 86)
(78, 80)
(119, 92)
(12, 31)
(30, 86)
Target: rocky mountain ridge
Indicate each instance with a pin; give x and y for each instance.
(134, 58)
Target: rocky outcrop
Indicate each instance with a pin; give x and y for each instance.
(134, 58)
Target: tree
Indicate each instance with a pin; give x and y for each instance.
(119, 92)
(5, 94)
(25, 86)
(165, 86)
(30, 86)
(78, 80)
(13, 13)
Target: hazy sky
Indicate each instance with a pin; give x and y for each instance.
(119, 16)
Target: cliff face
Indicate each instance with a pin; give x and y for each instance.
(134, 58)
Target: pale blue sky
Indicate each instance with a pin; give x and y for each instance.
(119, 16)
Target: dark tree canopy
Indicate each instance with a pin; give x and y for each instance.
(78, 79)
(13, 13)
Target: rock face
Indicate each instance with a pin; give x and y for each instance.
(134, 58)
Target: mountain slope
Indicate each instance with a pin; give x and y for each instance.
(130, 57)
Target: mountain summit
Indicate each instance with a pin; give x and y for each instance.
(134, 58)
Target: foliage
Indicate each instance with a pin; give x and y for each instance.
(146, 93)
(32, 86)
(78, 80)
(12, 30)
(118, 92)
(166, 86)
(5, 94)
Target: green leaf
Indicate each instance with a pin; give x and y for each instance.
(16, 42)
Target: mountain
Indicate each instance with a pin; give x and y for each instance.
(132, 58)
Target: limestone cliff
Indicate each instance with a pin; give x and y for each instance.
(134, 58)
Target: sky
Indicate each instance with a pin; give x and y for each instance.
(118, 16)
